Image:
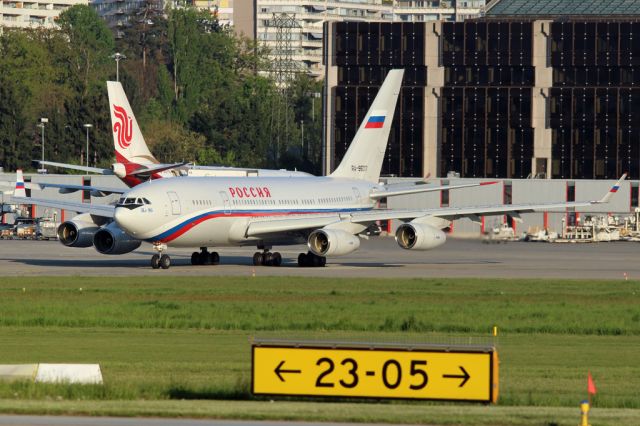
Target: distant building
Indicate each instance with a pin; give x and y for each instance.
(256, 22)
(44, 13)
(222, 8)
(33, 13)
(533, 89)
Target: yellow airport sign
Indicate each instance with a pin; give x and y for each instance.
(455, 375)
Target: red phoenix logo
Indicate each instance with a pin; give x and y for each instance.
(123, 127)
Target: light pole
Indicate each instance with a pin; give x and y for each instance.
(117, 57)
(313, 95)
(87, 126)
(43, 120)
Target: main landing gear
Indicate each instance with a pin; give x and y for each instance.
(310, 259)
(267, 258)
(204, 257)
(160, 260)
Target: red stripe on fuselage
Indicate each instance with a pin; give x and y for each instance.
(189, 226)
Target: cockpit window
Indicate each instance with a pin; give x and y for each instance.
(132, 203)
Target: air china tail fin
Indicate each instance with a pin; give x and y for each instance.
(127, 139)
(19, 191)
(364, 157)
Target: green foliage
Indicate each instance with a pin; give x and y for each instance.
(187, 77)
(162, 337)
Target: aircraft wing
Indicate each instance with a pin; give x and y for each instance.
(102, 210)
(96, 191)
(392, 192)
(268, 225)
(76, 167)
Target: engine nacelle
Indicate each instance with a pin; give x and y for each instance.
(113, 240)
(332, 242)
(419, 236)
(77, 232)
(119, 170)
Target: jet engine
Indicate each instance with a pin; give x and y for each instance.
(119, 170)
(78, 232)
(113, 240)
(419, 236)
(332, 242)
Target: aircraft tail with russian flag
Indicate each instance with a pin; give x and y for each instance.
(19, 191)
(363, 159)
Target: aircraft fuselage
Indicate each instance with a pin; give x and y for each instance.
(208, 211)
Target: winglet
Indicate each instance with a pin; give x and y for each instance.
(612, 191)
(19, 191)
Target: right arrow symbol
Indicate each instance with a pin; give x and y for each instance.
(465, 376)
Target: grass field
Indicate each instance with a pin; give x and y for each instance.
(168, 338)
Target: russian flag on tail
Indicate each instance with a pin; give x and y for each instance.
(375, 122)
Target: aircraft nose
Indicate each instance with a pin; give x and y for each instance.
(124, 218)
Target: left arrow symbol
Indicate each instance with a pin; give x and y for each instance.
(279, 371)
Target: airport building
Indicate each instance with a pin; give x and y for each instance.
(33, 13)
(44, 13)
(303, 21)
(534, 89)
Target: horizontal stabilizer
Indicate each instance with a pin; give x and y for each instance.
(148, 171)
(87, 169)
(391, 192)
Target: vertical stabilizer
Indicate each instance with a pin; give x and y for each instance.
(127, 138)
(19, 191)
(364, 157)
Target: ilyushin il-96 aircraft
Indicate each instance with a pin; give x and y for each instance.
(327, 213)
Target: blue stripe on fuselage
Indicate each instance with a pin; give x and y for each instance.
(235, 213)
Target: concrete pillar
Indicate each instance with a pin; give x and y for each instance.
(330, 82)
(540, 99)
(435, 82)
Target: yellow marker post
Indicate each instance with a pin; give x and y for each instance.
(584, 410)
(455, 375)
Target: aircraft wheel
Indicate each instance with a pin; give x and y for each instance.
(321, 261)
(277, 259)
(214, 258)
(305, 260)
(195, 258)
(258, 258)
(155, 261)
(203, 258)
(165, 261)
(268, 259)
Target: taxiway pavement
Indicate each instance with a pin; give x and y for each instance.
(377, 257)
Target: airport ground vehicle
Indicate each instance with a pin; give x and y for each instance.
(25, 228)
(6, 231)
(47, 229)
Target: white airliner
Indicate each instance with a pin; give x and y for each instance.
(328, 213)
(135, 163)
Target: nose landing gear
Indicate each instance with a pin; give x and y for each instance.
(204, 257)
(160, 260)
